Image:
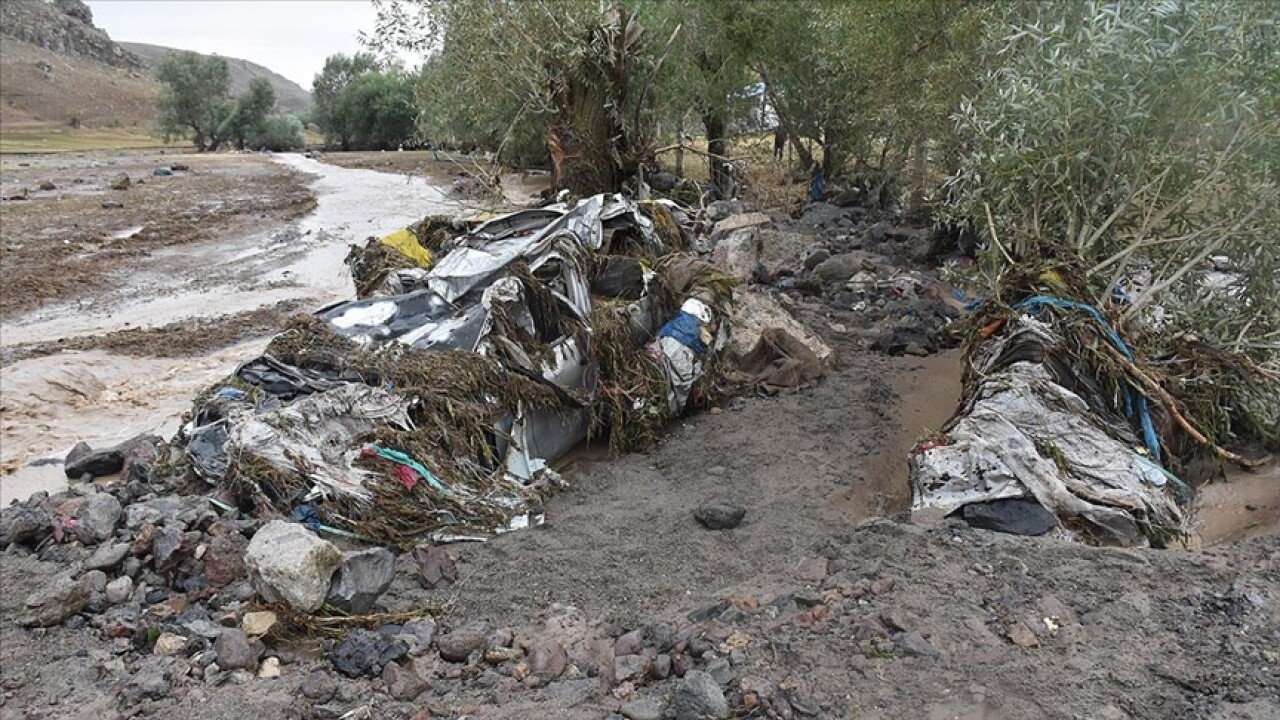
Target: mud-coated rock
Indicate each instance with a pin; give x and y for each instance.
(361, 579)
(288, 563)
(435, 566)
(58, 600)
(547, 658)
(97, 518)
(224, 559)
(720, 514)
(19, 523)
(364, 654)
(629, 667)
(699, 697)
(319, 686)
(457, 645)
(1018, 516)
(403, 683)
(236, 651)
(913, 644)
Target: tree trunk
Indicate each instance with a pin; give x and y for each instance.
(920, 169)
(720, 174)
(831, 153)
(680, 147)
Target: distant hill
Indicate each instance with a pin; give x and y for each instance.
(289, 95)
(58, 69)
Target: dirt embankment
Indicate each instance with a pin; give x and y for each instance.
(61, 244)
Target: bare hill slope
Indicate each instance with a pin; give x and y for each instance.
(289, 95)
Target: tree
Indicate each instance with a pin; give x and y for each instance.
(193, 98)
(249, 113)
(327, 89)
(277, 133)
(379, 112)
(1136, 142)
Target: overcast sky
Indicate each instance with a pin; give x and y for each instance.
(292, 38)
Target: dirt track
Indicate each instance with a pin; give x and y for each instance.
(825, 600)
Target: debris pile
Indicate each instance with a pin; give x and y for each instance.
(475, 355)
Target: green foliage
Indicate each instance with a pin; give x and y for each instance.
(277, 133)
(193, 99)
(359, 106)
(1136, 141)
(249, 114)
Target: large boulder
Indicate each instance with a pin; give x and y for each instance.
(21, 523)
(782, 252)
(59, 599)
(361, 579)
(288, 563)
(738, 254)
(839, 268)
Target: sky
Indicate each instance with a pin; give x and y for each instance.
(292, 38)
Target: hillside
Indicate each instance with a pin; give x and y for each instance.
(289, 95)
(59, 71)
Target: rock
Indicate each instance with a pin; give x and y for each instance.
(169, 644)
(1021, 636)
(738, 254)
(96, 580)
(737, 222)
(839, 268)
(662, 181)
(270, 668)
(1017, 516)
(629, 644)
(418, 635)
(288, 563)
(629, 667)
(47, 185)
(755, 312)
(58, 600)
(319, 686)
(120, 182)
(722, 209)
(435, 566)
(236, 651)
(364, 654)
(698, 697)
(85, 460)
(361, 579)
(896, 621)
(721, 671)
(781, 252)
(913, 644)
(547, 658)
(457, 645)
(641, 709)
(119, 590)
(166, 547)
(111, 205)
(257, 624)
(813, 570)
(20, 524)
(403, 683)
(720, 514)
(816, 258)
(661, 668)
(224, 559)
(97, 518)
(149, 682)
(107, 557)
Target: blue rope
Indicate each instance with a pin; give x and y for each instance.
(1134, 401)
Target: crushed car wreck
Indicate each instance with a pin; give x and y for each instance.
(432, 405)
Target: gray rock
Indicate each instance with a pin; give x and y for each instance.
(205, 628)
(721, 670)
(319, 686)
(457, 645)
(58, 600)
(364, 654)
(96, 580)
(361, 579)
(85, 460)
(149, 682)
(642, 709)
(166, 547)
(629, 667)
(224, 558)
(816, 258)
(699, 697)
(630, 643)
(720, 514)
(119, 590)
(288, 563)
(20, 523)
(403, 683)
(913, 644)
(418, 635)
(738, 253)
(435, 566)
(97, 518)
(722, 209)
(821, 213)
(107, 557)
(661, 668)
(236, 651)
(839, 268)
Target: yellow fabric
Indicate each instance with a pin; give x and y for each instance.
(404, 242)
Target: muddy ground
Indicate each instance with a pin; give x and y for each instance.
(825, 602)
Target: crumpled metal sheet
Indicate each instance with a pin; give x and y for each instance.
(1025, 435)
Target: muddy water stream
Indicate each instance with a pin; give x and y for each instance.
(53, 402)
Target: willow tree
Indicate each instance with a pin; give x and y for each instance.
(567, 62)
